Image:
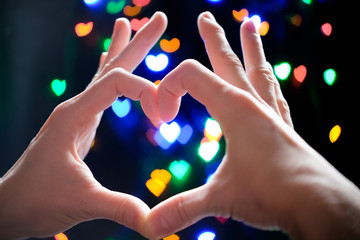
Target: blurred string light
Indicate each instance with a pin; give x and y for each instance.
(208, 150)
(106, 44)
(209, 145)
(170, 131)
(296, 20)
(167, 134)
(132, 11)
(185, 134)
(326, 29)
(307, 1)
(137, 24)
(60, 236)
(212, 130)
(172, 237)
(206, 235)
(92, 3)
(170, 46)
(58, 87)
(158, 181)
(141, 3)
(157, 63)
(179, 169)
(121, 107)
(83, 29)
(114, 7)
(329, 76)
(300, 73)
(240, 15)
(334, 133)
(214, 1)
(282, 70)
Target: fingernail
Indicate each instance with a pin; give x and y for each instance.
(250, 25)
(209, 16)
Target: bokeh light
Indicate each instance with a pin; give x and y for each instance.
(58, 87)
(170, 46)
(121, 108)
(330, 76)
(208, 150)
(170, 131)
(158, 181)
(172, 237)
(300, 73)
(282, 70)
(92, 3)
(83, 29)
(334, 133)
(179, 168)
(206, 235)
(326, 29)
(60, 236)
(115, 7)
(157, 63)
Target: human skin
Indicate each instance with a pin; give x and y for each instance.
(50, 188)
(269, 177)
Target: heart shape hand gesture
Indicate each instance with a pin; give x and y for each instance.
(50, 188)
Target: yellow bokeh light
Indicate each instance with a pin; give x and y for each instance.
(264, 28)
(335, 133)
(156, 186)
(158, 181)
(60, 236)
(162, 175)
(172, 237)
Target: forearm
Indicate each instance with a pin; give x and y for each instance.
(325, 206)
(12, 212)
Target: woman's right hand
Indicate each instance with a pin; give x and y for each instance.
(269, 177)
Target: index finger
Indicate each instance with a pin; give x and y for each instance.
(202, 84)
(139, 46)
(118, 82)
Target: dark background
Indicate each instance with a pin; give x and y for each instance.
(38, 44)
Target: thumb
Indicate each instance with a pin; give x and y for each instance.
(179, 212)
(122, 208)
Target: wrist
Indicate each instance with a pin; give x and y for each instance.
(323, 204)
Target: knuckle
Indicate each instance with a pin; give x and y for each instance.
(262, 75)
(189, 64)
(181, 211)
(230, 57)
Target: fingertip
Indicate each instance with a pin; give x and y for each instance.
(206, 15)
(161, 17)
(147, 100)
(169, 104)
(249, 26)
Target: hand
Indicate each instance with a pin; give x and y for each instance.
(269, 177)
(50, 188)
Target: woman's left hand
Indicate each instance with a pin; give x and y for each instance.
(50, 188)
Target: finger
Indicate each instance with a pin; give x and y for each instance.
(281, 102)
(223, 60)
(178, 212)
(139, 46)
(119, 39)
(102, 94)
(119, 207)
(202, 84)
(256, 65)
